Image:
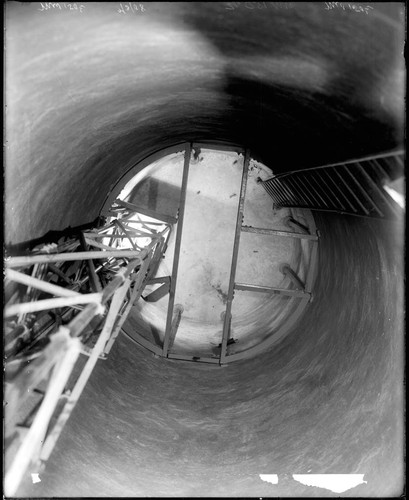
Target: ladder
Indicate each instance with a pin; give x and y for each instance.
(301, 290)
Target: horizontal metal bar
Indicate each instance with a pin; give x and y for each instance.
(118, 236)
(65, 257)
(349, 162)
(274, 232)
(145, 211)
(163, 279)
(44, 286)
(218, 147)
(195, 359)
(141, 341)
(42, 305)
(267, 289)
(344, 212)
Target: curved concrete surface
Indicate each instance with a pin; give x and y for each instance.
(91, 93)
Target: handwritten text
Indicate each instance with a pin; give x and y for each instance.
(348, 6)
(130, 7)
(61, 6)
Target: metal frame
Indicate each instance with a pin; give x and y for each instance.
(176, 254)
(301, 296)
(136, 165)
(316, 189)
(239, 222)
(129, 270)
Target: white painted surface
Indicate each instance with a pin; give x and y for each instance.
(338, 483)
(269, 478)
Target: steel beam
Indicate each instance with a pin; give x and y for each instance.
(93, 277)
(267, 289)
(196, 359)
(145, 211)
(176, 254)
(236, 245)
(287, 271)
(29, 260)
(117, 301)
(274, 232)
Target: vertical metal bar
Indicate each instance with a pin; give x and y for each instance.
(134, 297)
(239, 221)
(175, 323)
(112, 240)
(311, 267)
(176, 254)
(93, 277)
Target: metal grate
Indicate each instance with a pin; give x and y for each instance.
(355, 187)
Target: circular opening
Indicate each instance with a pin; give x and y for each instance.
(235, 273)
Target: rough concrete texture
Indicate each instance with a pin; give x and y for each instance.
(91, 93)
(328, 399)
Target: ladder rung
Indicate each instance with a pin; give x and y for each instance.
(274, 232)
(268, 289)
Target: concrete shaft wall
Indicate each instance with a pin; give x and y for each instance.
(90, 93)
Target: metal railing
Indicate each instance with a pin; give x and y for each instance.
(354, 188)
